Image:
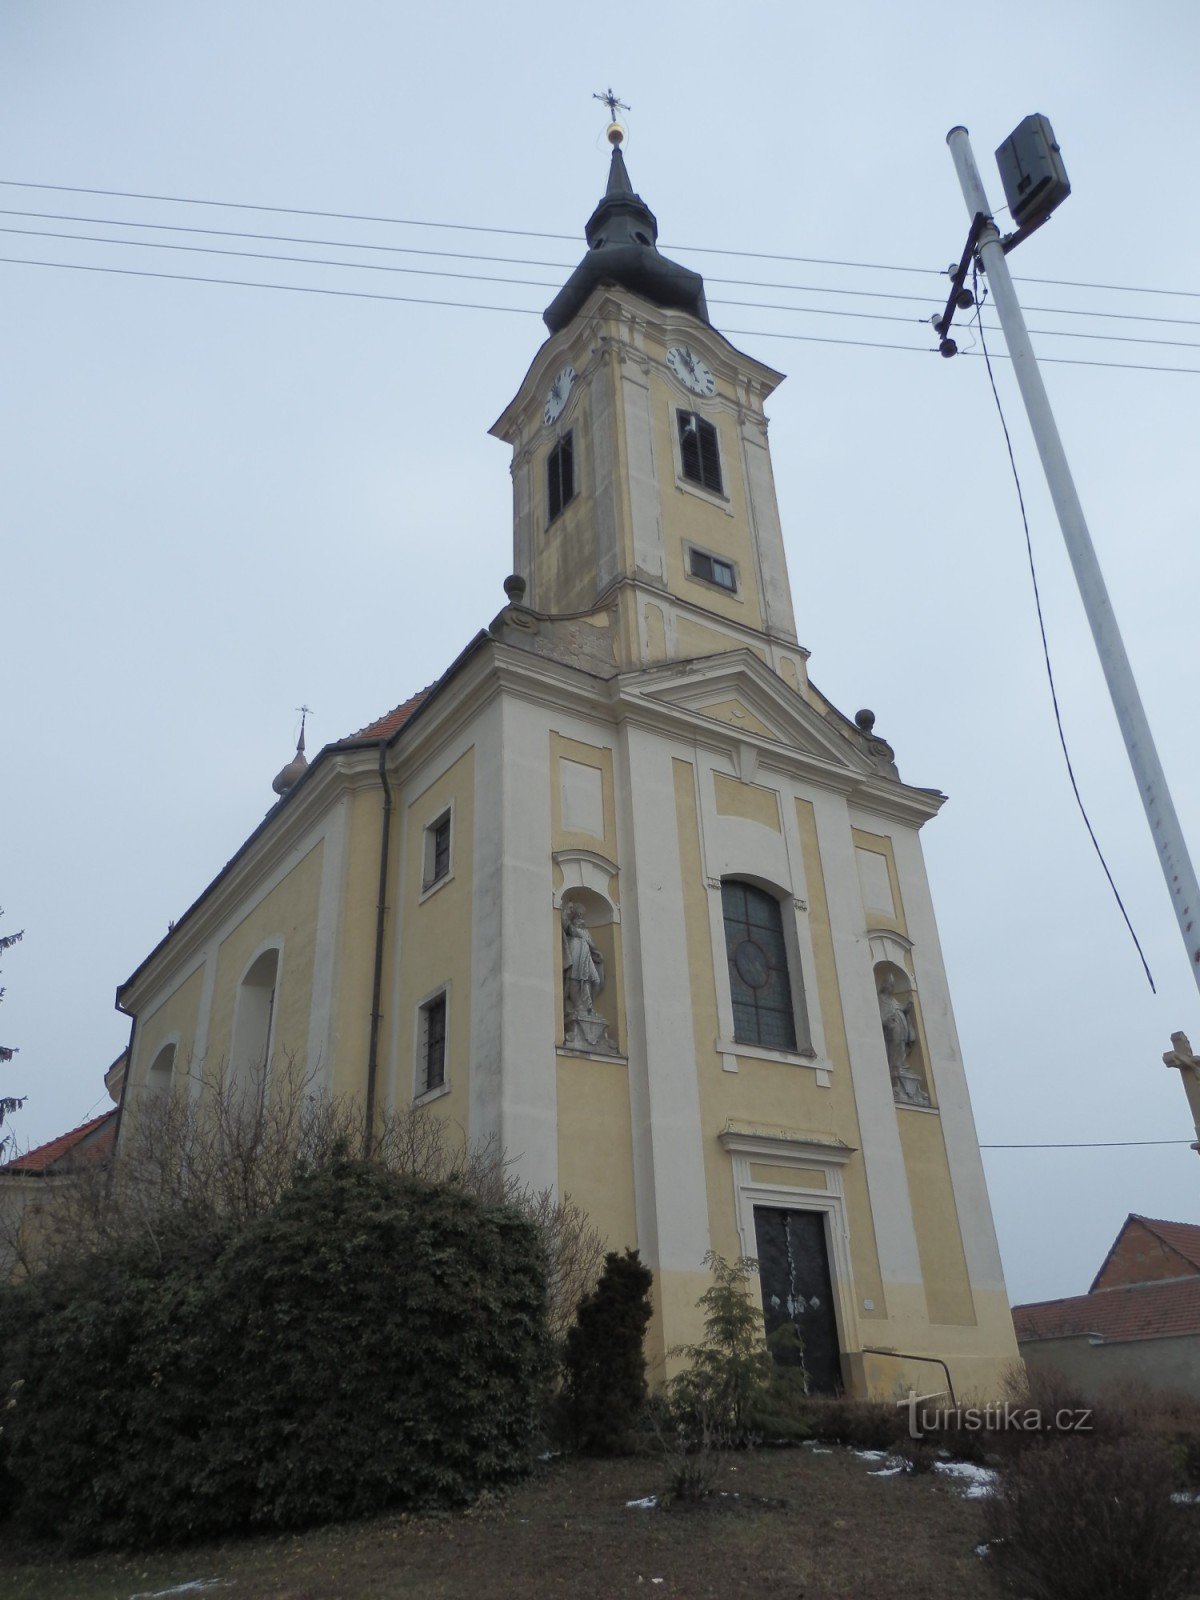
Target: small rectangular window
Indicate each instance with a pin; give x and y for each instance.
(560, 476)
(437, 851)
(699, 456)
(433, 1044)
(713, 570)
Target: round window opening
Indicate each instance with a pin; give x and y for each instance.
(752, 965)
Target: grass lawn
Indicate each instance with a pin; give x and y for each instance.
(790, 1525)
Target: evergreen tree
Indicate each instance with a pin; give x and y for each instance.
(605, 1361)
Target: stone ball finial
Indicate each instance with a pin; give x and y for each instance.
(514, 588)
(864, 720)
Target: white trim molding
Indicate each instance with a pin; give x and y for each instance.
(587, 869)
(782, 1147)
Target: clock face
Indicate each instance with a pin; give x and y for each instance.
(560, 390)
(690, 370)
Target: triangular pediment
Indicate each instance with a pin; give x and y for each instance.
(740, 693)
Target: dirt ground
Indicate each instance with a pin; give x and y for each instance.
(789, 1525)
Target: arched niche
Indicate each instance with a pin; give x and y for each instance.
(161, 1074)
(591, 1013)
(899, 1017)
(254, 1015)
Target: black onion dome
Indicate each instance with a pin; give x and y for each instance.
(621, 235)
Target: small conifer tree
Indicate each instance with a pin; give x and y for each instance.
(605, 1362)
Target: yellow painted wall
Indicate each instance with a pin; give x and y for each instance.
(289, 914)
(355, 968)
(697, 640)
(881, 845)
(935, 1216)
(564, 551)
(586, 755)
(177, 1015)
(595, 1145)
(435, 940)
(749, 801)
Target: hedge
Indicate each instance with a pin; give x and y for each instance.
(373, 1341)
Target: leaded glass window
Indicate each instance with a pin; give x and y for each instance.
(759, 983)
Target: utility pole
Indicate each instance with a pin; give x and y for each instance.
(1135, 730)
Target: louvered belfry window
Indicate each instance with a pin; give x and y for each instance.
(560, 476)
(759, 984)
(698, 453)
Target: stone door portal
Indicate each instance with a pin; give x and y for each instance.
(793, 1267)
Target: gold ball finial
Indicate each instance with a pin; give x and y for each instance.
(616, 134)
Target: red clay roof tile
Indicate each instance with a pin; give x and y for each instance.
(97, 1138)
(1182, 1237)
(1139, 1311)
(383, 727)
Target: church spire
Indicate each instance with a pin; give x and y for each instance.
(622, 234)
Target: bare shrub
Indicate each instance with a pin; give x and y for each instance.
(1093, 1520)
(221, 1153)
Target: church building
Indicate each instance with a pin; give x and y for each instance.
(622, 891)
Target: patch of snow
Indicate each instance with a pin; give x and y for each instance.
(982, 1549)
(648, 1504)
(887, 1472)
(550, 1455)
(871, 1455)
(194, 1587)
(1185, 1499)
(979, 1482)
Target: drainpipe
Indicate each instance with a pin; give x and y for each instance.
(380, 925)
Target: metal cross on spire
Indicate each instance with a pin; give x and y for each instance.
(614, 105)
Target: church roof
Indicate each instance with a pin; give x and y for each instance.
(392, 721)
(621, 234)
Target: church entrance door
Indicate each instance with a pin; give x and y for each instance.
(793, 1266)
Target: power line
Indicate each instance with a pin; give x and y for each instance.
(1097, 1144)
(524, 261)
(1037, 598)
(542, 283)
(472, 305)
(530, 233)
(291, 288)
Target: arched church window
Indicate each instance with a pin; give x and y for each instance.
(254, 1016)
(759, 981)
(560, 476)
(699, 457)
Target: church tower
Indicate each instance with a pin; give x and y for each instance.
(622, 894)
(641, 474)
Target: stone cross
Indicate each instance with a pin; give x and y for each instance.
(1187, 1064)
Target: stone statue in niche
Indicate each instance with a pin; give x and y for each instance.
(583, 980)
(899, 1036)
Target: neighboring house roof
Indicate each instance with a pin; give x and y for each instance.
(1139, 1311)
(1181, 1238)
(94, 1138)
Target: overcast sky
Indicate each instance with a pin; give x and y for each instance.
(219, 503)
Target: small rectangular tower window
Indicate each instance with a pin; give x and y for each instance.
(432, 1074)
(698, 453)
(437, 851)
(560, 476)
(713, 570)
